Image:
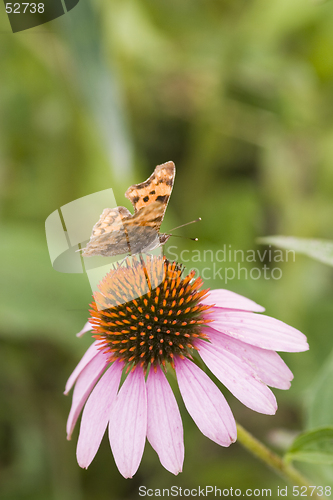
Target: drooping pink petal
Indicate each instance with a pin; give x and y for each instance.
(259, 330)
(84, 385)
(238, 377)
(96, 414)
(268, 365)
(85, 329)
(90, 353)
(164, 426)
(230, 300)
(128, 423)
(205, 403)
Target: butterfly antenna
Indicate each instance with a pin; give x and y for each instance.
(180, 236)
(187, 223)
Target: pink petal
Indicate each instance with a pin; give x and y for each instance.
(86, 358)
(85, 329)
(238, 377)
(83, 387)
(230, 300)
(164, 428)
(268, 365)
(128, 423)
(259, 330)
(205, 403)
(96, 414)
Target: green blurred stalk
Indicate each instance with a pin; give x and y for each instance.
(259, 450)
(98, 83)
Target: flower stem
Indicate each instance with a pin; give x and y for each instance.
(286, 471)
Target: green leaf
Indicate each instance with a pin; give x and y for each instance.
(321, 250)
(314, 446)
(320, 397)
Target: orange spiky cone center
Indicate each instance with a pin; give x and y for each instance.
(145, 313)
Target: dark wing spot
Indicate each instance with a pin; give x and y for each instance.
(146, 183)
(152, 192)
(145, 199)
(135, 199)
(167, 182)
(162, 199)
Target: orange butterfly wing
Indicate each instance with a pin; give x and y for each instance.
(118, 231)
(155, 190)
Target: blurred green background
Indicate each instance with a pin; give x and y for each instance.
(239, 94)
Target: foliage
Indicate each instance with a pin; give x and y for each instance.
(321, 250)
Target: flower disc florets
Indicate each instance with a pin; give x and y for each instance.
(146, 313)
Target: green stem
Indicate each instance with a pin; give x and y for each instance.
(286, 471)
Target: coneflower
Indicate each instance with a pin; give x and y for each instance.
(147, 319)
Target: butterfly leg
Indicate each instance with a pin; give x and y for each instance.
(145, 270)
(122, 261)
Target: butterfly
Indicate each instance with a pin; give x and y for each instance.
(120, 232)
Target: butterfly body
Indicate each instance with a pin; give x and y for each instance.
(119, 232)
(130, 239)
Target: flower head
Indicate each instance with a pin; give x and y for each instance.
(147, 318)
(143, 327)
